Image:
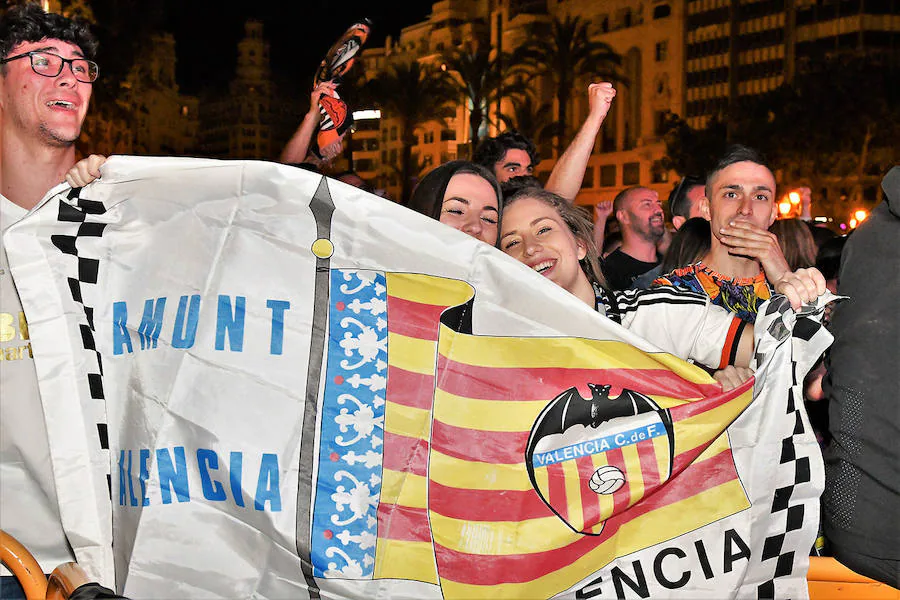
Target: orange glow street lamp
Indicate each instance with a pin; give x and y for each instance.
(858, 217)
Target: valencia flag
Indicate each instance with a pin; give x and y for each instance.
(532, 487)
(414, 305)
(509, 467)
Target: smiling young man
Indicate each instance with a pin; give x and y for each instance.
(744, 260)
(46, 78)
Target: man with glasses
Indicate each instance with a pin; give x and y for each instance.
(46, 81)
(46, 77)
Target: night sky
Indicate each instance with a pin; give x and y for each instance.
(299, 33)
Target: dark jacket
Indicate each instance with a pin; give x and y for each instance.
(861, 504)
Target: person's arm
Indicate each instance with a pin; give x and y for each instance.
(601, 214)
(298, 147)
(85, 170)
(568, 173)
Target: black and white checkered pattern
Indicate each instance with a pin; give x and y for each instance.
(84, 270)
(794, 503)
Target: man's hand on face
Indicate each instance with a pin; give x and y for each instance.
(746, 239)
(801, 287)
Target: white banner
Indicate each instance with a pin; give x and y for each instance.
(299, 389)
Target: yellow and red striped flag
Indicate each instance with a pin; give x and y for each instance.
(414, 304)
(506, 528)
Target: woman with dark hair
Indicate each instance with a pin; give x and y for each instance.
(463, 195)
(689, 244)
(828, 260)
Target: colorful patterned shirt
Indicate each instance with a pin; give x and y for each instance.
(741, 296)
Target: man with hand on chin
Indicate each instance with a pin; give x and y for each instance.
(744, 261)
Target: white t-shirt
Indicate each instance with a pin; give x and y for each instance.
(29, 510)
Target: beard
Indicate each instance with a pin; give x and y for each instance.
(55, 138)
(653, 233)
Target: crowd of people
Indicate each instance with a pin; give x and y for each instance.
(690, 284)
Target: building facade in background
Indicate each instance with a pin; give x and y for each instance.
(239, 124)
(687, 57)
(164, 121)
(746, 47)
(648, 36)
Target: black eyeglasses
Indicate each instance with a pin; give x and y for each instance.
(51, 65)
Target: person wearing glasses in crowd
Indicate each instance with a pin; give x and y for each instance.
(46, 79)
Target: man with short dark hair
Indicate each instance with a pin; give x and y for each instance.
(641, 221)
(508, 155)
(46, 77)
(688, 200)
(744, 259)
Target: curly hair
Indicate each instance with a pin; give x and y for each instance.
(492, 150)
(577, 221)
(29, 23)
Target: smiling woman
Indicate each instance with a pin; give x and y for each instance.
(462, 195)
(554, 238)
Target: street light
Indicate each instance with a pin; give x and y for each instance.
(860, 215)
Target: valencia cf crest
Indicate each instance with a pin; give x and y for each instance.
(590, 459)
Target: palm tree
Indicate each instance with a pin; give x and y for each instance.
(475, 73)
(414, 94)
(564, 52)
(534, 121)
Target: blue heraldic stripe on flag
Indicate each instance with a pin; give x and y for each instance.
(348, 485)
